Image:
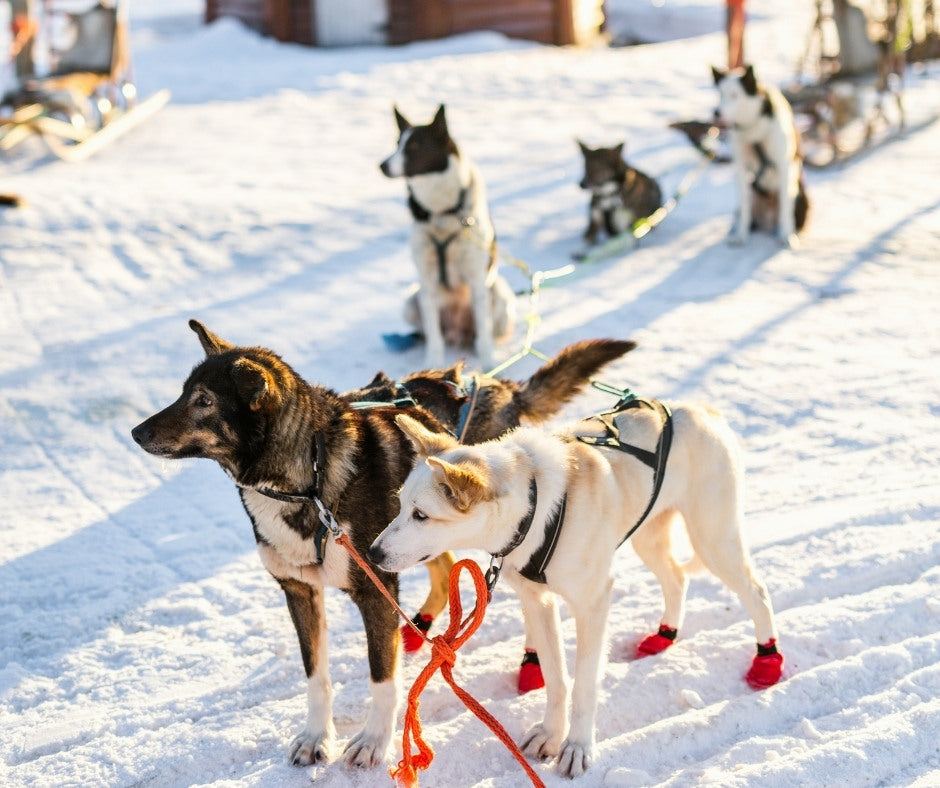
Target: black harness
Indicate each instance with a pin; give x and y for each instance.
(535, 567)
(764, 164)
(423, 214)
(314, 495)
(656, 459)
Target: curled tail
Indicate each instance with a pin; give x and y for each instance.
(558, 381)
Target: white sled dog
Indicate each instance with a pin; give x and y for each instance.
(460, 298)
(552, 509)
(766, 154)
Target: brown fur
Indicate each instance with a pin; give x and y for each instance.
(620, 194)
(245, 408)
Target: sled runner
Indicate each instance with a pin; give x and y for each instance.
(76, 87)
(847, 96)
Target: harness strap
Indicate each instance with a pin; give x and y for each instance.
(534, 569)
(765, 164)
(403, 399)
(313, 495)
(424, 214)
(526, 523)
(655, 460)
(441, 249)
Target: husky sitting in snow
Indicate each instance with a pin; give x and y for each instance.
(765, 152)
(620, 194)
(460, 298)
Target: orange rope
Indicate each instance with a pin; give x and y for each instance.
(443, 656)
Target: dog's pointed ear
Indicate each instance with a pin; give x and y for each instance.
(717, 75)
(749, 81)
(584, 148)
(618, 149)
(424, 441)
(401, 120)
(212, 344)
(439, 124)
(465, 485)
(252, 381)
(380, 379)
(454, 373)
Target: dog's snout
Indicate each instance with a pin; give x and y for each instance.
(376, 554)
(142, 433)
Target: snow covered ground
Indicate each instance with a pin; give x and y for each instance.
(142, 643)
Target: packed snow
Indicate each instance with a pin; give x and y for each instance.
(142, 642)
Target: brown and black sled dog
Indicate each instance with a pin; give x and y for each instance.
(283, 440)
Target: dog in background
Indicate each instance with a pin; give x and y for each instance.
(620, 194)
(287, 443)
(766, 154)
(460, 297)
(553, 510)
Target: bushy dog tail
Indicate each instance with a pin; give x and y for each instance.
(558, 381)
(10, 200)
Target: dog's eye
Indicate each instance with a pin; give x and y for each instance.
(418, 515)
(204, 401)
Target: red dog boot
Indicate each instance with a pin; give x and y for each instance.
(530, 673)
(410, 639)
(767, 666)
(657, 642)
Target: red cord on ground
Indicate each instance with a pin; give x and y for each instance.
(443, 656)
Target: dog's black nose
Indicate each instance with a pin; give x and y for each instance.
(376, 555)
(142, 433)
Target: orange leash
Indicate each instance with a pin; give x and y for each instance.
(443, 655)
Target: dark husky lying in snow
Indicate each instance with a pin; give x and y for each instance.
(281, 438)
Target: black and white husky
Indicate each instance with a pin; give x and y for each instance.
(460, 298)
(765, 152)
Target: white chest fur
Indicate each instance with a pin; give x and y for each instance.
(286, 553)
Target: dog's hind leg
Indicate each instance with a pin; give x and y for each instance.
(368, 747)
(305, 603)
(653, 543)
(439, 574)
(543, 628)
(590, 616)
(721, 548)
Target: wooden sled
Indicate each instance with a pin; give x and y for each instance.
(88, 98)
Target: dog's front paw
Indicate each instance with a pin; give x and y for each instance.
(308, 748)
(540, 743)
(366, 751)
(574, 758)
(736, 238)
(790, 241)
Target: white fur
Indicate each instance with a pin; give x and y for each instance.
(607, 493)
(776, 133)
